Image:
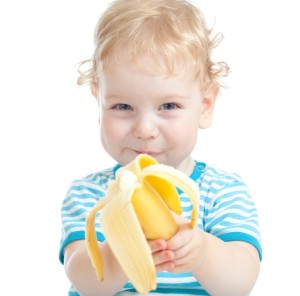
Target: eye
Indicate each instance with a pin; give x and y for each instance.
(169, 106)
(124, 107)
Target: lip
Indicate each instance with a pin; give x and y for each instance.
(148, 152)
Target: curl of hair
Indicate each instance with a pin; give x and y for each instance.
(172, 30)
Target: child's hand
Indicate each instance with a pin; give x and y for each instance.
(186, 247)
(182, 252)
(161, 255)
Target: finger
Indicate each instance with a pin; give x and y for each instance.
(185, 264)
(162, 256)
(182, 253)
(179, 219)
(157, 245)
(181, 238)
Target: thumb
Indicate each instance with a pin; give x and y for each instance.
(179, 219)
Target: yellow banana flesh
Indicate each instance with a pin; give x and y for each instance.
(136, 208)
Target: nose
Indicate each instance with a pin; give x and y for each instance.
(145, 127)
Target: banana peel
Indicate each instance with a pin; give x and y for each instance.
(138, 207)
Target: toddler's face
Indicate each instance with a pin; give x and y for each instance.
(144, 112)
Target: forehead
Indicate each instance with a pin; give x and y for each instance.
(142, 79)
(157, 65)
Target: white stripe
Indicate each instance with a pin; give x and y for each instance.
(74, 209)
(80, 200)
(87, 184)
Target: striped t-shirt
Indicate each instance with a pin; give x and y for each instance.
(226, 210)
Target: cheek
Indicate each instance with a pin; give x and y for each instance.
(182, 128)
(111, 131)
(188, 138)
(108, 132)
(183, 134)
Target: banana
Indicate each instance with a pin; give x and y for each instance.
(138, 207)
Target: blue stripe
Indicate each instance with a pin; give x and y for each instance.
(174, 275)
(74, 214)
(235, 196)
(222, 219)
(74, 236)
(187, 208)
(85, 195)
(181, 291)
(70, 196)
(78, 204)
(90, 189)
(240, 236)
(175, 291)
(73, 225)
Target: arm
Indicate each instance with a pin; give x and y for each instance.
(233, 265)
(222, 268)
(82, 275)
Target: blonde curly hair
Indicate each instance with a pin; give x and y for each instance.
(172, 30)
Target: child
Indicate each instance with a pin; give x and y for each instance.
(156, 85)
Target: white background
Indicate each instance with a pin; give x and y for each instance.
(49, 131)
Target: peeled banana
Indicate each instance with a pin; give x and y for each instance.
(136, 208)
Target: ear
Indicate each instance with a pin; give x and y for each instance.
(208, 105)
(95, 90)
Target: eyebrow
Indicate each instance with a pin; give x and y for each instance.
(115, 97)
(173, 96)
(169, 96)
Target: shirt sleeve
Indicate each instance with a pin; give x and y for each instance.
(77, 204)
(231, 214)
